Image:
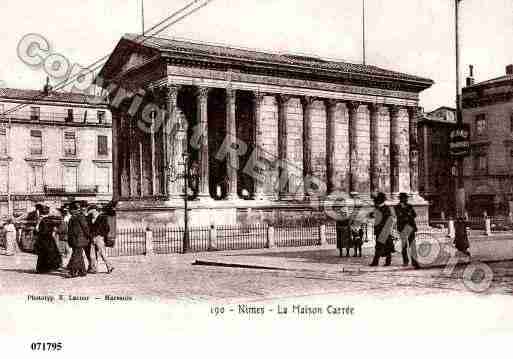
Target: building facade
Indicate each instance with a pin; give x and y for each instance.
(54, 147)
(488, 109)
(436, 167)
(268, 136)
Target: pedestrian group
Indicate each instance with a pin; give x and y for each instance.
(83, 232)
(350, 232)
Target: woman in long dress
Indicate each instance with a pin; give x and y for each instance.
(48, 255)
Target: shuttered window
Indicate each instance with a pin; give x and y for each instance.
(36, 142)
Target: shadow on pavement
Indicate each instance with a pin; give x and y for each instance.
(33, 271)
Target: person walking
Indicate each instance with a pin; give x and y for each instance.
(407, 228)
(78, 239)
(343, 230)
(10, 238)
(63, 232)
(99, 230)
(48, 255)
(383, 223)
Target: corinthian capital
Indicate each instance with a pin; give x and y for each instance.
(171, 92)
(394, 110)
(231, 94)
(353, 106)
(202, 93)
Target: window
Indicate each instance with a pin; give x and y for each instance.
(70, 144)
(69, 117)
(35, 113)
(36, 142)
(103, 147)
(36, 179)
(70, 179)
(481, 162)
(3, 142)
(103, 179)
(101, 117)
(480, 124)
(3, 179)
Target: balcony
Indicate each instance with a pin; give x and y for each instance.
(63, 191)
(61, 117)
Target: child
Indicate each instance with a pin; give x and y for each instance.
(357, 239)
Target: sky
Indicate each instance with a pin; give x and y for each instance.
(412, 36)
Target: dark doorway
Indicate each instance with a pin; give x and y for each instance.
(245, 123)
(216, 134)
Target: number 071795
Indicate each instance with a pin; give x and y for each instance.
(46, 346)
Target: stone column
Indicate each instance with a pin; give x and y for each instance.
(400, 150)
(257, 154)
(283, 176)
(331, 174)
(307, 103)
(116, 183)
(231, 132)
(383, 147)
(154, 189)
(204, 183)
(414, 150)
(394, 149)
(375, 150)
(123, 155)
(171, 168)
(352, 107)
(360, 153)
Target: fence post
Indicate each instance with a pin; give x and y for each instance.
(488, 226)
(212, 238)
(322, 235)
(452, 230)
(370, 231)
(270, 237)
(149, 242)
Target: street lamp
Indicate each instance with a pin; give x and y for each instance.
(461, 239)
(185, 245)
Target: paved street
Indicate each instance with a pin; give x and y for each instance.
(174, 277)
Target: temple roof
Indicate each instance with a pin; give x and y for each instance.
(306, 65)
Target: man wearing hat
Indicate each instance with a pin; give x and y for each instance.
(383, 222)
(99, 229)
(407, 227)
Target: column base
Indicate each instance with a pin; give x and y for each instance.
(203, 197)
(233, 197)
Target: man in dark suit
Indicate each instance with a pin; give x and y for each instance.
(78, 238)
(383, 223)
(407, 227)
(99, 230)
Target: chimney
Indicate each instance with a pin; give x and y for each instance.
(47, 88)
(470, 78)
(509, 69)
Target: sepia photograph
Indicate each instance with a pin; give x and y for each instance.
(256, 177)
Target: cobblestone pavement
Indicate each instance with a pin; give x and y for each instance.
(174, 278)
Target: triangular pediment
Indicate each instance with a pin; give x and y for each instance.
(127, 55)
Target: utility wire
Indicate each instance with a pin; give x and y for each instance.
(140, 39)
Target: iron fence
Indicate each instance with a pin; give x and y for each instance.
(241, 237)
(129, 242)
(293, 236)
(199, 239)
(167, 240)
